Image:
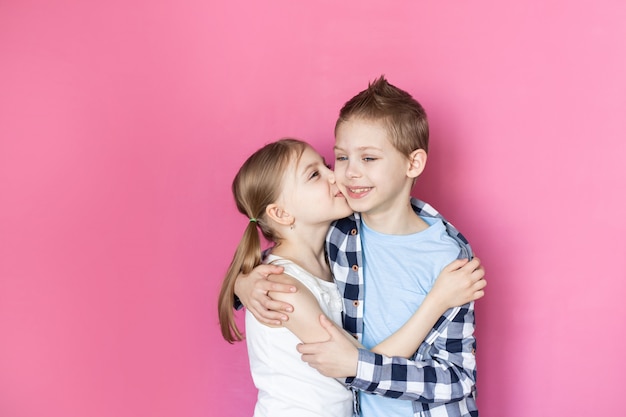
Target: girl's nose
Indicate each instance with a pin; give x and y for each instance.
(331, 177)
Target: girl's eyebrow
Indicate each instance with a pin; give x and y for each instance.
(308, 167)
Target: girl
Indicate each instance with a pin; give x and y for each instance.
(286, 190)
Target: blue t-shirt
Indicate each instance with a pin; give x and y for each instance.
(399, 270)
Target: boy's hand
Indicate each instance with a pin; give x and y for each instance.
(252, 291)
(460, 282)
(337, 357)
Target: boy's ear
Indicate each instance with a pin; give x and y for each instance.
(417, 163)
(278, 214)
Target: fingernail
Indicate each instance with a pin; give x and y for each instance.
(292, 289)
(289, 309)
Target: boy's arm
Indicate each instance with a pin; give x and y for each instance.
(444, 369)
(459, 283)
(445, 372)
(251, 291)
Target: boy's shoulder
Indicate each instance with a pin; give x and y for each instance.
(422, 208)
(426, 210)
(345, 225)
(343, 236)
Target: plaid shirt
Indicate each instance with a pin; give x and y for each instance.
(440, 378)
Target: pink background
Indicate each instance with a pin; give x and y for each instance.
(123, 123)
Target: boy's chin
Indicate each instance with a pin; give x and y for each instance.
(358, 206)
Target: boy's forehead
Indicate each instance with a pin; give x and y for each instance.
(364, 122)
(361, 134)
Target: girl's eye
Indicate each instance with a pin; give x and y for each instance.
(342, 158)
(368, 159)
(314, 174)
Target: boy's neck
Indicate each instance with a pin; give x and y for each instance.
(395, 221)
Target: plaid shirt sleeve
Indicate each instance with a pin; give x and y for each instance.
(442, 370)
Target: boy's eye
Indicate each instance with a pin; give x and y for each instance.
(369, 159)
(314, 174)
(341, 158)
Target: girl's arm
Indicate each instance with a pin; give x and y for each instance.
(458, 283)
(304, 320)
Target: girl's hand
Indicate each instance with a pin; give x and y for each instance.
(459, 283)
(252, 291)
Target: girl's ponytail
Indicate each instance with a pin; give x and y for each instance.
(247, 256)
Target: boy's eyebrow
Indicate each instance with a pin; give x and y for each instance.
(360, 148)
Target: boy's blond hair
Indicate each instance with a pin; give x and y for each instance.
(402, 116)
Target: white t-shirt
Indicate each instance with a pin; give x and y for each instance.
(289, 387)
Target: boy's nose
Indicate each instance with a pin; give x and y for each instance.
(331, 177)
(352, 171)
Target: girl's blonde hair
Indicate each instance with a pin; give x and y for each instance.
(257, 184)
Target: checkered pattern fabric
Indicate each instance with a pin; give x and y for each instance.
(440, 379)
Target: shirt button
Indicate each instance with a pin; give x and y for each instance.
(355, 267)
(353, 232)
(355, 303)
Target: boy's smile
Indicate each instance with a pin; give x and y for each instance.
(358, 192)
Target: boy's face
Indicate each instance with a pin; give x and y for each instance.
(370, 172)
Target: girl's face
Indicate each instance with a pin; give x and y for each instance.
(310, 193)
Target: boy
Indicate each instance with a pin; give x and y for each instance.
(381, 148)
